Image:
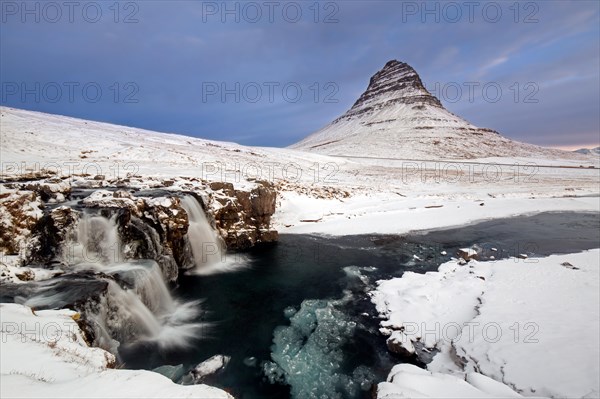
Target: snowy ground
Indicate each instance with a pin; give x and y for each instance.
(44, 355)
(31, 141)
(343, 195)
(531, 324)
(388, 214)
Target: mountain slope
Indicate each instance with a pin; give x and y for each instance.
(588, 151)
(397, 117)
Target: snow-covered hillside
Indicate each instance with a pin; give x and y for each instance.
(589, 151)
(316, 192)
(32, 140)
(396, 117)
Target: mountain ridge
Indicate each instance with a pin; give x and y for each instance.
(588, 151)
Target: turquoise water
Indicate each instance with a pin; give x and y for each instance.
(297, 322)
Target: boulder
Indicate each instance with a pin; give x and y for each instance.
(400, 344)
(209, 367)
(469, 253)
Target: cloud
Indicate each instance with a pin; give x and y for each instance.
(171, 51)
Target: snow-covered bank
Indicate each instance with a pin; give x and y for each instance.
(409, 381)
(44, 355)
(389, 214)
(531, 324)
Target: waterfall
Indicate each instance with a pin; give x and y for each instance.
(145, 312)
(208, 248)
(97, 242)
(150, 287)
(206, 244)
(126, 318)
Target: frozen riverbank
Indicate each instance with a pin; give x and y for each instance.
(392, 214)
(531, 324)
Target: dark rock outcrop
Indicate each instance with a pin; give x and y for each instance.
(396, 83)
(244, 217)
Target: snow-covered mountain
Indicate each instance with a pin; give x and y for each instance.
(588, 151)
(397, 117)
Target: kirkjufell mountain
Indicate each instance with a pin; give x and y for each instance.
(397, 117)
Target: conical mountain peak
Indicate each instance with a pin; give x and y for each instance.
(397, 117)
(396, 83)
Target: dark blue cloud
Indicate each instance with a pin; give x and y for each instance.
(175, 49)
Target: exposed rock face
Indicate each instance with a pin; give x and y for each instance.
(50, 234)
(19, 212)
(396, 117)
(396, 83)
(244, 217)
(21, 204)
(400, 346)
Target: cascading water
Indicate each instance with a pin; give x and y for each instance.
(207, 246)
(146, 312)
(97, 242)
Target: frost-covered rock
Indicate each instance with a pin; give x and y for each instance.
(210, 366)
(400, 344)
(469, 253)
(20, 211)
(15, 274)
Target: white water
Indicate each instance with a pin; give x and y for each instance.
(207, 246)
(144, 313)
(97, 242)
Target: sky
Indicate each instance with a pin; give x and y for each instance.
(269, 73)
